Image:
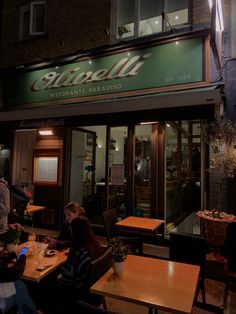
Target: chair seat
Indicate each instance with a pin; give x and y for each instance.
(190, 249)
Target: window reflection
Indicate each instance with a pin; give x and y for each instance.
(142, 171)
(183, 162)
(141, 17)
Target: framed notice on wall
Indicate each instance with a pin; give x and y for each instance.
(117, 174)
(47, 166)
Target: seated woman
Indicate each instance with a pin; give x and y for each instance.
(71, 210)
(74, 274)
(13, 292)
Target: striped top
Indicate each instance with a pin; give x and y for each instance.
(76, 270)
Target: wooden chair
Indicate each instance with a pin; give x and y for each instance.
(110, 219)
(229, 252)
(86, 308)
(190, 249)
(99, 267)
(143, 199)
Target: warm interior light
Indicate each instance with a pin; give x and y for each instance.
(151, 122)
(45, 132)
(210, 4)
(219, 16)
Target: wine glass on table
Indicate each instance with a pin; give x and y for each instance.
(32, 235)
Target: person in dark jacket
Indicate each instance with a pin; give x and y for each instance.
(73, 277)
(13, 291)
(71, 210)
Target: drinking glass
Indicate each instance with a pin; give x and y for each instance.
(32, 235)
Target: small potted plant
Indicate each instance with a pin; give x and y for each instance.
(119, 254)
(13, 238)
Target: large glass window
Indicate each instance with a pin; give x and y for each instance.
(140, 17)
(183, 164)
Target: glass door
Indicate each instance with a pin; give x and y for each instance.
(142, 171)
(82, 169)
(118, 168)
(183, 164)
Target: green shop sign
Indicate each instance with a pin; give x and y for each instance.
(173, 63)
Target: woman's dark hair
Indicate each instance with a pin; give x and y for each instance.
(84, 237)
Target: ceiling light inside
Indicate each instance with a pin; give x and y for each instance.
(150, 122)
(45, 132)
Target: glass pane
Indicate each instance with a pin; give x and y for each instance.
(173, 5)
(100, 188)
(177, 12)
(172, 161)
(38, 18)
(142, 174)
(96, 203)
(183, 164)
(26, 21)
(80, 159)
(150, 17)
(125, 18)
(118, 171)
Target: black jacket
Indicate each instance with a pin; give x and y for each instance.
(14, 272)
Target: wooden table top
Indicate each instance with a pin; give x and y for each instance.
(34, 208)
(36, 259)
(152, 282)
(140, 223)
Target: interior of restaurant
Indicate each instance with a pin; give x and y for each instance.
(147, 170)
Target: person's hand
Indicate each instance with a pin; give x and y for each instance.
(52, 245)
(52, 242)
(21, 258)
(48, 240)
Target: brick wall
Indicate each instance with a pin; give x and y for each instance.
(71, 26)
(201, 12)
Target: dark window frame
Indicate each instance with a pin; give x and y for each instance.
(27, 27)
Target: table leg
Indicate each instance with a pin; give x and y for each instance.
(152, 311)
(141, 243)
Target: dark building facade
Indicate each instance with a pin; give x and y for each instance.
(124, 87)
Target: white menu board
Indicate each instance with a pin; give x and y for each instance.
(46, 169)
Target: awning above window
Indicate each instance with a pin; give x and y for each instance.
(207, 95)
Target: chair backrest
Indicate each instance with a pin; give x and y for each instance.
(187, 248)
(110, 219)
(99, 266)
(143, 194)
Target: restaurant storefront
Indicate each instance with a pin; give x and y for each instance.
(126, 130)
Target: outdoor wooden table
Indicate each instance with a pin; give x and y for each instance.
(35, 259)
(140, 224)
(155, 283)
